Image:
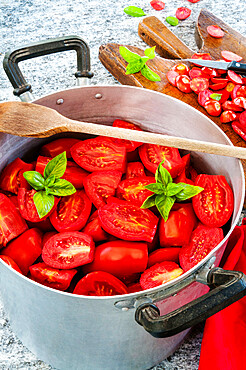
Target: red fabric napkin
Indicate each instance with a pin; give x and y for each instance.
(224, 338)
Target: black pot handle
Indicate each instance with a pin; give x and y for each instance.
(227, 287)
(50, 46)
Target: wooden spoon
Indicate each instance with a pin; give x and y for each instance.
(32, 120)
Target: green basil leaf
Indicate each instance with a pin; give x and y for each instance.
(43, 202)
(150, 52)
(173, 21)
(162, 175)
(62, 188)
(57, 166)
(149, 74)
(134, 67)
(216, 96)
(164, 205)
(128, 55)
(50, 181)
(188, 191)
(35, 179)
(149, 202)
(157, 188)
(173, 189)
(134, 11)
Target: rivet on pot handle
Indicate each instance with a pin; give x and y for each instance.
(50, 46)
(227, 287)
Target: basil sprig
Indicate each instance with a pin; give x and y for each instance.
(50, 184)
(136, 63)
(166, 192)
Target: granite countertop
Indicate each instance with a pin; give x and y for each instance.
(97, 22)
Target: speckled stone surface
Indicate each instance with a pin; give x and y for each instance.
(98, 22)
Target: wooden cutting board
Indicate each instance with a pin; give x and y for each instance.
(154, 32)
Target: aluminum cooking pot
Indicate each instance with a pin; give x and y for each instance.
(137, 330)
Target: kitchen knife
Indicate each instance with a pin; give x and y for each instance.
(233, 66)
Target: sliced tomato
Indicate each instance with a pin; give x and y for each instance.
(157, 4)
(11, 222)
(234, 77)
(229, 105)
(181, 69)
(215, 31)
(58, 146)
(94, 229)
(100, 283)
(27, 207)
(227, 116)
(25, 249)
(239, 129)
(204, 56)
(214, 205)
(242, 119)
(199, 84)
(10, 262)
(152, 155)
(203, 240)
(12, 179)
(163, 254)
(130, 145)
(229, 56)
(68, 250)
(128, 222)
(171, 77)
(119, 258)
(183, 83)
(240, 102)
(176, 231)
(213, 107)
(134, 191)
(51, 277)
(204, 96)
(72, 212)
(198, 72)
(99, 154)
(100, 185)
(183, 13)
(160, 274)
(241, 91)
(134, 169)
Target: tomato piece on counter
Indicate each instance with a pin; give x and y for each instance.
(199, 84)
(234, 77)
(58, 146)
(128, 222)
(12, 179)
(99, 185)
(181, 69)
(229, 56)
(157, 4)
(239, 129)
(176, 231)
(27, 207)
(25, 249)
(204, 96)
(134, 191)
(240, 102)
(171, 77)
(119, 258)
(198, 72)
(229, 105)
(152, 155)
(204, 56)
(51, 277)
(182, 13)
(94, 229)
(100, 283)
(159, 274)
(68, 250)
(163, 254)
(11, 222)
(129, 144)
(213, 107)
(227, 116)
(203, 240)
(72, 212)
(214, 205)
(241, 91)
(134, 169)
(215, 31)
(183, 83)
(99, 154)
(10, 262)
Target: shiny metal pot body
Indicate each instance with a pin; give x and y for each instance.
(78, 332)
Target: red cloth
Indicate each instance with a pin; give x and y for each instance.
(224, 338)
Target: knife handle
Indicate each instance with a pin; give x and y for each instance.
(237, 67)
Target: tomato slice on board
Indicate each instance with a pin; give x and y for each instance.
(99, 154)
(171, 77)
(204, 96)
(12, 179)
(68, 250)
(198, 72)
(159, 274)
(27, 207)
(157, 4)
(134, 169)
(133, 190)
(229, 105)
(152, 155)
(215, 31)
(51, 277)
(214, 205)
(181, 69)
(10, 262)
(163, 254)
(213, 107)
(242, 119)
(182, 13)
(183, 83)
(99, 185)
(94, 229)
(239, 129)
(100, 283)
(240, 102)
(58, 146)
(119, 258)
(234, 77)
(11, 222)
(127, 221)
(25, 249)
(72, 212)
(228, 56)
(204, 56)
(203, 240)
(227, 116)
(199, 84)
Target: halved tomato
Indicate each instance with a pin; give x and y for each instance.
(100, 283)
(68, 250)
(99, 185)
(152, 155)
(127, 221)
(99, 154)
(12, 178)
(134, 191)
(159, 274)
(72, 212)
(214, 205)
(58, 146)
(134, 169)
(163, 254)
(10, 262)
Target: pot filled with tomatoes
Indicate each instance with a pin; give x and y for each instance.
(109, 248)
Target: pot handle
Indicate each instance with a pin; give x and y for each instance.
(226, 288)
(50, 46)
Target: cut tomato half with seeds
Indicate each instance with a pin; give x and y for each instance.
(199, 84)
(134, 169)
(215, 31)
(213, 107)
(229, 105)
(171, 77)
(204, 96)
(12, 179)
(181, 69)
(183, 83)
(160, 274)
(228, 56)
(182, 13)
(134, 191)
(234, 77)
(204, 56)
(58, 146)
(227, 116)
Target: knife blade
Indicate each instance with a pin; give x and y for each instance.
(233, 66)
